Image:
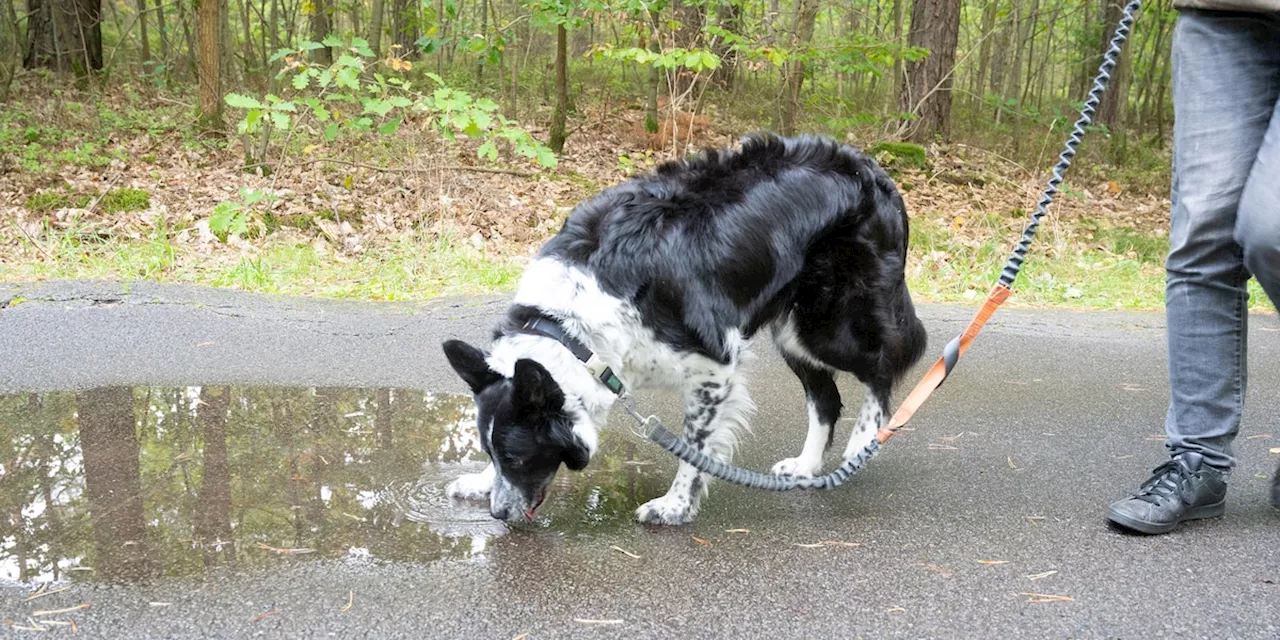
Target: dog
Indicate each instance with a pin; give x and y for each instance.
(661, 281)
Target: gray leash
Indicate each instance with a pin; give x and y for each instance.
(650, 427)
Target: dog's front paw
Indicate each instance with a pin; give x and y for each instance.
(472, 486)
(666, 510)
(797, 467)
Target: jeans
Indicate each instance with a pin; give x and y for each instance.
(1225, 223)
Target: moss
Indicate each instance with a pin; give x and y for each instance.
(124, 200)
(49, 201)
(899, 155)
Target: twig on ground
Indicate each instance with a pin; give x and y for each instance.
(361, 165)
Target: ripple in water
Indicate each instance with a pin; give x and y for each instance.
(423, 501)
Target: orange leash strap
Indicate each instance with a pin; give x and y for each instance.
(942, 368)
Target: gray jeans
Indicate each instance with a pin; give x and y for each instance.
(1225, 223)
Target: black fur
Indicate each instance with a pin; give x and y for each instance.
(802, 234)
(739, 239)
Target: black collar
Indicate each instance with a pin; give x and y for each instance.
(550, 328)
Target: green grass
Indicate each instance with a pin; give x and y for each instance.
(1119, 269)
(124, 200)
(412, 268)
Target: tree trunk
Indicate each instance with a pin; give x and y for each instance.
(729, 14)
(210, 66)
(375, 26)
(320, 28)
(143, 35)
(10, 50)
(935, 25)
(1111, 109)
(405, 25)
(651, 95)
(77, 37)
(688, 36)
(164, 33)
(802, 30)
(213, 501)
(562, 91)
(484, 33)
(113, 482)
(897, 40)
(984, 51)
(42, 50)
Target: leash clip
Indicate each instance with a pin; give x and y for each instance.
(644, 424)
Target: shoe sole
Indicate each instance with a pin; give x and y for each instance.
(1155, 528)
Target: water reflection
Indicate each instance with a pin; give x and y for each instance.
(121, 484)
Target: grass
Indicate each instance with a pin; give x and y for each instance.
(1121, 268)
(413, 268)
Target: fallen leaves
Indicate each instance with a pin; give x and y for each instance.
(991, 562)
(701, 541)
(1041, 576)
(44, 591)
(285, 551)
(263, 616)
(54, 612)
(625, 552)
(1037, 598)
(593, 621)
(351, 600)
(1273, 450)
(827, 543)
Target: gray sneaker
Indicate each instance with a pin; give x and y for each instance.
(1183, 488)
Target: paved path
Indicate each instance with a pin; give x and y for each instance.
(997, 492)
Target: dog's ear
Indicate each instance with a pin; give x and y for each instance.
(469, 362)
(576, 456)
(534, 389)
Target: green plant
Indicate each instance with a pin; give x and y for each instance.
(351, 96)
(231, 217)
(899, 155)
(125, 200)
(49, 201)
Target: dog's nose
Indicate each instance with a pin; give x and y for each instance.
(499, 513)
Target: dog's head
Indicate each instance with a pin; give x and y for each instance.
(524, 427)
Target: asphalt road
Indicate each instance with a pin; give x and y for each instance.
(997, 492)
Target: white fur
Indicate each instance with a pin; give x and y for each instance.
(472, 486)
(612, 328)
(870, 420)
(809, 462)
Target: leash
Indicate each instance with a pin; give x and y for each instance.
(650, 427)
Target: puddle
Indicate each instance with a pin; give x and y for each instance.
(124, 484)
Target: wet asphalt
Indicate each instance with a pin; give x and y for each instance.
(984, 520)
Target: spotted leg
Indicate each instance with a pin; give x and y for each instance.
(871, 418)
(716, 408)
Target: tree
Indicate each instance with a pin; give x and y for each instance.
(1111, 109)
(802, 35)
(210, 71)
(79, 25)
(41, 50)
(113, 481)
(926, 93)
(559, 114)
(213, 501)
(320, 28)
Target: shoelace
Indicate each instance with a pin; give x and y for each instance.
(1166, 481)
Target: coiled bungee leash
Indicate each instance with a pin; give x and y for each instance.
(651, 428)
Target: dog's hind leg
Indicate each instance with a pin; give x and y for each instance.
(717, 406)
(823, 399)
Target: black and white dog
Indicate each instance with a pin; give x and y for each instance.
(660, 282)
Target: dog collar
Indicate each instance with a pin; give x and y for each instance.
(550, 328)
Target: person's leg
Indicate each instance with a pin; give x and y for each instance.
(1226, 79)
(1258, 228)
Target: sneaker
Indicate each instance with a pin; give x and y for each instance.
(1184, 488)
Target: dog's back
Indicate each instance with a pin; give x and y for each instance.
(743, 239)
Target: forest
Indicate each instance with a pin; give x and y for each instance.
(408, 148)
